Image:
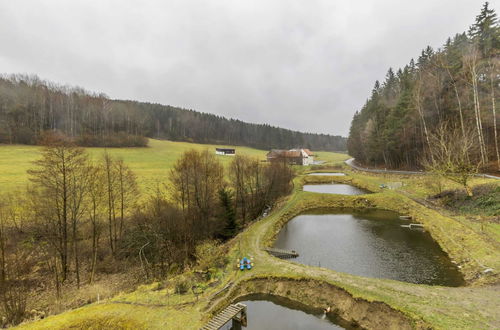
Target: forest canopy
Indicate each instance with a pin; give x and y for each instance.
(30, 107)
(456, 85)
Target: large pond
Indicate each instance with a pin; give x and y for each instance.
(328, 173)
(267, 312)
(372, 243)
(335, 188)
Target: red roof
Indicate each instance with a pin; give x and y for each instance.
(284, 154)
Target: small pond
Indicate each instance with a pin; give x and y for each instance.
(267, 312)
(328, 173)
(335, 188)
(372, 243)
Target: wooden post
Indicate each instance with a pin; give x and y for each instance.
(240, 320)
(243, 317)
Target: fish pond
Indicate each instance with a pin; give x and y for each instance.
(372, 243)
(268, 312)
(335, 188)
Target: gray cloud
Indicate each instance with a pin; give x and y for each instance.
(305, 65)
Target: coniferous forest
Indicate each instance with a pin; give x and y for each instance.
(30, 107)
(453, 89)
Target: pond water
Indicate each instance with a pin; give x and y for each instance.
(371, 243)
(335, 188)
(328, 173)
(267, 312)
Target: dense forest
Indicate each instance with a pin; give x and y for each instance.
(29, 107)
(454, 87)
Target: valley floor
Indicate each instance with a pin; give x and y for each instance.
(369, 302)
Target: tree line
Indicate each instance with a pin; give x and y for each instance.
(81, 218)
(454, 87)
(30, 106)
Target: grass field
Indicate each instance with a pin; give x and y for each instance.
(151, 164)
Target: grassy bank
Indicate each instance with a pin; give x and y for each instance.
(472, 307)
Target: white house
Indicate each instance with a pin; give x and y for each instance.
(293, 156)
(225, 151)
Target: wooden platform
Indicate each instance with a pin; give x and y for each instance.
(236, 311)
(282, 254)
(414, 226)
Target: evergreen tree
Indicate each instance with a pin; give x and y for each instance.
(228, 214)
(485, 30)
(456, 85)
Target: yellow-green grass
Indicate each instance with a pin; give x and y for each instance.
(473, 307)
(151, 164)
(331, 158)
(420, 187)
(122, 316)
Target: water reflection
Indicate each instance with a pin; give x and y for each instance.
(275, 313)
(371, 243)
(337, 188)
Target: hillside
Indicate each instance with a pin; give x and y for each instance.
(30, 106)
(452, 89)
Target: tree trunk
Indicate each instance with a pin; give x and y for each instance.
(77, 261)
(477, 112)
(493, 110)
(421, 113)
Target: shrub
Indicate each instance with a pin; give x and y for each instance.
(210, 256)
(182, 284)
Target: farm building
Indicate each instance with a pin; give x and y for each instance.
(292, 156)
(225, 151)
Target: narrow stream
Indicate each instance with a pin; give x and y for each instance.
(335, 188)
(268, 312)
(371, 243)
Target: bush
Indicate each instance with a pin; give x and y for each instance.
(183, 284)
(485, 200)
(210, 256)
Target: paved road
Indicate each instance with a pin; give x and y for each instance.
(350, 162)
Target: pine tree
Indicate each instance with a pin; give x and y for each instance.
(485, 30)
(228, 214)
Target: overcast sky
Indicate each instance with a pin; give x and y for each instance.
(306, 65)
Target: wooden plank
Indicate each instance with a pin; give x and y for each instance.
(225, 316)
(280, 253)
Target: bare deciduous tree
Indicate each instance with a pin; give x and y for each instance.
(196, 180)
(121, 192)
(454, 155)
(59, 186)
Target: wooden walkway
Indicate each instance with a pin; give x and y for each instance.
(282, 254)
(236, 311)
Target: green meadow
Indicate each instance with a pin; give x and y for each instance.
(151, 164)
